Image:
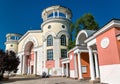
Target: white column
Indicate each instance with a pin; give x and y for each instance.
(21, 61)
(66, 69)
(75, 66)
(92, 71)
(28, 69)
(46, 16)
(66, 15)
(79, 66)
(23, 68)
(96, 65)
(28, 66)
(53, 13)
(35, 62)
(57, 13)
(62, 69)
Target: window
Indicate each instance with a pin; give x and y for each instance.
(63, 26)
(84, 69)
(49, 26)
(11, 45)
(63, 53)
(63, 40)
(50, 54)
(62, 15)
(49, 40)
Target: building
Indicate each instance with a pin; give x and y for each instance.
(96, 54)
(42, 50)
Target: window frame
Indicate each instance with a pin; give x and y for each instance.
(50, 54)
(63, 53)
(50, 40)
(63, 40)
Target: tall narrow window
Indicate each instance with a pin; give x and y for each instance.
(50, 40)
(63, 53)
(63, 40)
(50, 54)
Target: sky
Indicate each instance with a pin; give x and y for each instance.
(19, 16)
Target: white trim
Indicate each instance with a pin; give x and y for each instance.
(118, 37)
(30, 31)
(72, 49)
(92, 42)
(50, 33)
(65, 60)
(30, 38)
(76, 51)
(72, 74)
(111, 24)
(77, 39)
(63, 32)
(79, 65)
(110, 74)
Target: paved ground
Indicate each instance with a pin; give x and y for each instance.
(53, 80)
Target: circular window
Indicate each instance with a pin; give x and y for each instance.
(49, 26)
(105, 42)
(11, 45)
(63, 26)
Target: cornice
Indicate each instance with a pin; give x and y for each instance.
(54, 20)
(111, 24)
(30, 31)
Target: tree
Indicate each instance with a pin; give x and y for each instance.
(71, 41)
(87, 21)
(8, 62)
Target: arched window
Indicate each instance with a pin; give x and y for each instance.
(50, 40)
(63, 40)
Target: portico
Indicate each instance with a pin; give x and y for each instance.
(65, 67)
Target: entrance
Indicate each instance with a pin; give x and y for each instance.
(29, 54)
(32, 67)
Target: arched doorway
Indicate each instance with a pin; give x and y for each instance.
(29, 57)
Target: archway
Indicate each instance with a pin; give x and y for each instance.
(29, 57)
(81, 37)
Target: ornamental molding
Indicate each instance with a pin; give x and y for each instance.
(32, 39)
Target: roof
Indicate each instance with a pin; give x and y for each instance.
(30, 31)
(112, 23)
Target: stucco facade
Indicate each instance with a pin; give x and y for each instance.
(96, 55)
(40, 50)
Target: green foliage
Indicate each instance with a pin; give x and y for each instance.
(71, 44)
(87, 21)
(8, 62)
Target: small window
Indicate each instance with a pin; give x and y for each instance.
(50, 54)
(63, 26)
(84, 69)
(49, 26)
(50, 40)
(11, 45)
(63, 40)
(63, 53)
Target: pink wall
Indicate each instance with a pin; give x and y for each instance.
(110, 54)
(72, 60)
(84, 61)
(50, 64)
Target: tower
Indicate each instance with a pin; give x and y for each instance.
(56, 34)
(12, 42)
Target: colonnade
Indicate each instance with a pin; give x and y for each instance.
(27, 68)
(93, 60)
